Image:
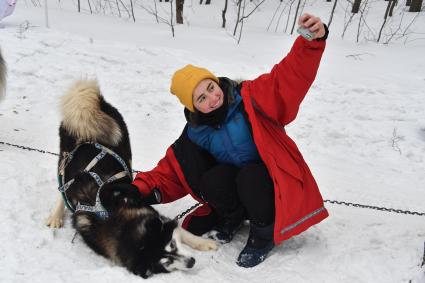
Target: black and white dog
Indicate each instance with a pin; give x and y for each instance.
(95, 174)
(2, 76)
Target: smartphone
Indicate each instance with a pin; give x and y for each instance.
(306, 33)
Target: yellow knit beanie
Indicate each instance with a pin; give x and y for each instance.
(185, 80)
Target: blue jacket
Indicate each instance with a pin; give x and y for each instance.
(232, 142)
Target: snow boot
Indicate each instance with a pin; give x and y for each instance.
(259, 244)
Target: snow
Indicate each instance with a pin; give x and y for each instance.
(361, 129)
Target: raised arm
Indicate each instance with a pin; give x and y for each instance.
(278, 94)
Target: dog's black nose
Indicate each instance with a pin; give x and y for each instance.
(190, 262)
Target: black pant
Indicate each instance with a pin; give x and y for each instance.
(236, 193)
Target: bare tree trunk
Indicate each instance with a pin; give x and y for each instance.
(179, 11)
(156, 12)
(346, 25)
(207, 2)
(295, 16)
(118, 7)
(359, 26)
(237, 19)
(356, 6)
(125, 7)
(171, 17)
(393, 4)
(243, 16)
(415, 6)
(91, 11)
(361, 20)
(289, 14)
(223, 14)
(132, 10)
(385, 20)
(332, 14)
(79, 6)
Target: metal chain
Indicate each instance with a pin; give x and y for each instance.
(197, 204)
(40, 150)
(179, 216)
(375, 207)
(29, 148)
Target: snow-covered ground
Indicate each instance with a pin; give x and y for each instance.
(361, 129)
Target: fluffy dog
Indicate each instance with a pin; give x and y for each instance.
(2, 76)
(95, 183)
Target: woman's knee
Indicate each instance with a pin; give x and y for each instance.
(218, 180)
(253, 177)
(256, 192)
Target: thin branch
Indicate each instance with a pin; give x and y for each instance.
(258, 5)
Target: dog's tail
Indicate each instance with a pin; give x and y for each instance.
(82, 115)
(2, 76)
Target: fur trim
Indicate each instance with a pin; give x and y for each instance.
(3, 72)
(83, 118)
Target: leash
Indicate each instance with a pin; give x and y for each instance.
(29, 148)
(400, 211)
(180, 216)
(343, 203)
(42, 151)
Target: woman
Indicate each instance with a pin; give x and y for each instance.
(234, 156)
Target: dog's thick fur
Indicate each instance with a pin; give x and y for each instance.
(2, 76)
(134, 235)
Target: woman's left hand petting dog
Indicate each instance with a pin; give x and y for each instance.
(121, 195)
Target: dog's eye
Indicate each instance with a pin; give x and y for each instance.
(173, 245)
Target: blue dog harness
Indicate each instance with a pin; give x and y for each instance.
(98, 208)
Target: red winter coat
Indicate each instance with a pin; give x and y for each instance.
(271, 101)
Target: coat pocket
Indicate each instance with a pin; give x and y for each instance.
(286, 163)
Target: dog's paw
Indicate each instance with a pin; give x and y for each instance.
(54, 221)
(207, 245)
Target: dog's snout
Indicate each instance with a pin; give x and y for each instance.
(190, 263)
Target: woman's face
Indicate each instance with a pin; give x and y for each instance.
(207, 96)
